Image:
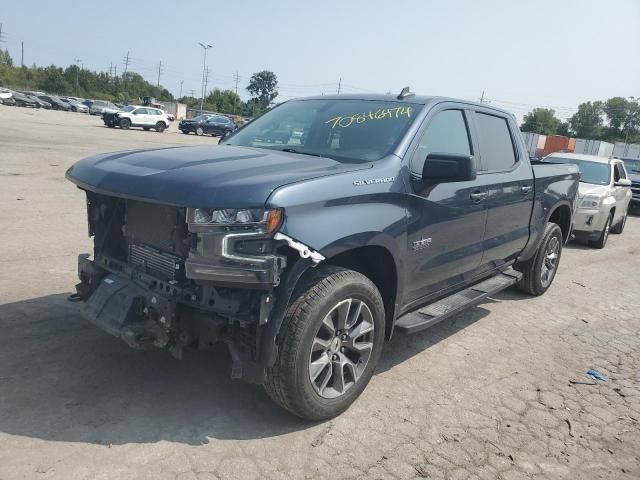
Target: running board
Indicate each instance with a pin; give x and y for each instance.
(444, 308)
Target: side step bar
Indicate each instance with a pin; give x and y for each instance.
(446, 307)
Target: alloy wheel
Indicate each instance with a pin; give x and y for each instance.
(341, 348)
(550, 262)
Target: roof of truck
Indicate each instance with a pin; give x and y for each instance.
(415, 99)
(580, 156)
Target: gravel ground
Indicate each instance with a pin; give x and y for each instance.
(498, 392)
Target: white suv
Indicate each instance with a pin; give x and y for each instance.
(145, 117)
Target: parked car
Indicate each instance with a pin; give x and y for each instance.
(88, 103)
(208, 124)
(136, 116)
(395, 213)
(98, 107)
(603, 196)
(41, 103)
(632, 165)
(189, 125)
(56, 103)
(24, 101)
(5, 93)
(75, 105)
(9, 101)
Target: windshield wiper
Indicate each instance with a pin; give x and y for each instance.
(293, 150)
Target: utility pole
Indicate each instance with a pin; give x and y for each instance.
(193, 93)
(2, 35)
(22, 54)
(235, 100)
(181, 82)
(206, 81)
(126, 67)
(205, 47)
(110, 69)
(339, 85)
(159, 72)
(77, 60)
(482, 97)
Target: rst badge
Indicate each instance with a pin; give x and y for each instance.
(421, 244)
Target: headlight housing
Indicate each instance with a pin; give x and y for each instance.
(590, 202)
(263, 220)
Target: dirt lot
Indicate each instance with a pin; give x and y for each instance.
(486, 395)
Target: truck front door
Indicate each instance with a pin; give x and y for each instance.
(507, 173)
(446, 221)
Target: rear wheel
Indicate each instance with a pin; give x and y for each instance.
(604, 236)
(199, 131)
(538, 272)
(125, 123)
(329, 344)
(160, 126)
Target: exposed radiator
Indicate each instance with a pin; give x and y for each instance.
(154, 262)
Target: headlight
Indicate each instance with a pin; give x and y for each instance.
(265, 220)
(590, 201)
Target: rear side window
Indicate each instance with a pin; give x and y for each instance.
(498, 152)
(446, 133)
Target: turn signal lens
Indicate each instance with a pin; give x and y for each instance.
(274, 219)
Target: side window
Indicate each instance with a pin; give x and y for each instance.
(622, 175)
(496, 144)
(616, 172)
(446, 133)
(141, 111)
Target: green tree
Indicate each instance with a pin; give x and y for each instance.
(5, 58)
(587, 122)
(541, 120)
(564, 129)
(623, 117)
(263, 87)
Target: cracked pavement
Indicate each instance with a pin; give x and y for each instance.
(498, 392)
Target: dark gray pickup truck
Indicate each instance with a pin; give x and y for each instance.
(304, 251)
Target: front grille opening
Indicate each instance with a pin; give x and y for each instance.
(154, 262)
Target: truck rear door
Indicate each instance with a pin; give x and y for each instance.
(509, 179)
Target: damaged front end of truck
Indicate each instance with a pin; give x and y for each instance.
(174, 277)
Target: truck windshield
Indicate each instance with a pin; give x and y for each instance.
(590, 172)
(344, 130)
(632, 165)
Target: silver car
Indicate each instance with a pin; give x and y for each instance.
(603, 196)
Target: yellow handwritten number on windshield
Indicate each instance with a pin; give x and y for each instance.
(380, 114)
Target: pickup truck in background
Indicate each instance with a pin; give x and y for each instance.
(382, 214)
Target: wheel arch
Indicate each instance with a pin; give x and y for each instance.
(561, 215)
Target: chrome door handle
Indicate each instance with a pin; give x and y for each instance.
(526, 189)
(478, 196)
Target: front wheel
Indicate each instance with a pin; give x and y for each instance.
(619, 227)
(538, 272)
(604, 235)
(125, 123)
(160, 126)
(199, 131)
(328, 345)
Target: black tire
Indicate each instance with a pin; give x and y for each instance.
(74, 109)
(618, 228)
(185, 132)
(533, 269)
(125, 123)
(160, 127)
(199, 131)
(604, 235)
(319, 293)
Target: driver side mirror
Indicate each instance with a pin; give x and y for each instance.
(446, 168)
(623, 182)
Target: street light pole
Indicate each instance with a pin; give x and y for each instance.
(77, 60)
(205, 47)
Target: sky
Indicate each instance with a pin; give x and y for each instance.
(522, 54)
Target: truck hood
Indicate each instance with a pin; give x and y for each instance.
(201, 176)
(591, 189)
